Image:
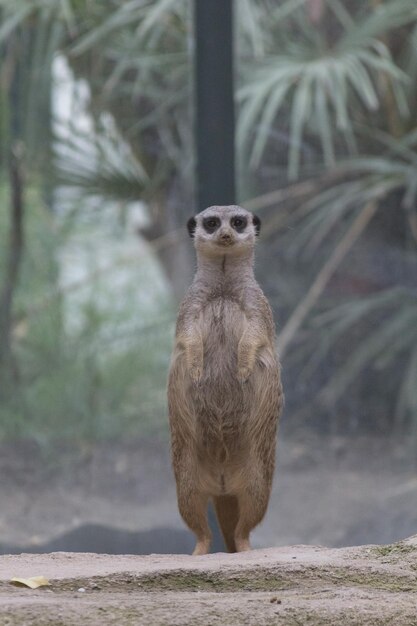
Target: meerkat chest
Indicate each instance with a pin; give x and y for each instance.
(224, 320)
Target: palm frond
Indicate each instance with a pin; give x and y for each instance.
(15, 14)
(393, 337)
(322, 90)
(100, 166)
(252, 20)
(144, 23)
(367, 178)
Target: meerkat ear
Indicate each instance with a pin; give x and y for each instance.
(191, 226)
(257, 224)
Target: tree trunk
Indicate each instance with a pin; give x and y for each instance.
(13, 260)
(172, 246)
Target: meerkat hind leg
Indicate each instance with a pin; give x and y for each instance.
(199, 525)
(193, 508)
(253, 503)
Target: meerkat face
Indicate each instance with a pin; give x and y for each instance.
(221, 230)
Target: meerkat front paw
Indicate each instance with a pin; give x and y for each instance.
(196, 373)
(243, 373)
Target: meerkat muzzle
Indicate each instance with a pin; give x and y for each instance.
(225, 239)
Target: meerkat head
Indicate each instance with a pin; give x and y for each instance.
(221, 230)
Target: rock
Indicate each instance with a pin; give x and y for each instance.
(350, 586)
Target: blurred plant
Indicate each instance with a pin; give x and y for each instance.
(391, 343)
(97, 167)
(321, 82)
(322, 87)
(341, 84)
(329, 224)
(85, 369)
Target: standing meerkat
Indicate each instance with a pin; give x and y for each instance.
(224, 387)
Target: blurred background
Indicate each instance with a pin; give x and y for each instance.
(97, 180)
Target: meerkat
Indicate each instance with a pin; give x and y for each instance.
(224, 387)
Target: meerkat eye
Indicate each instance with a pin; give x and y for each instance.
(239, 223)
(211, 224)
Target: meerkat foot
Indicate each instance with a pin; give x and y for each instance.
(202, 547)
(242, 545)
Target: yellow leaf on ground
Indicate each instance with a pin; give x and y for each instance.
(34, 582)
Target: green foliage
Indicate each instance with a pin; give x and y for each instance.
(392, 338)
(321, 87)
(365, 178)
(319, 224)
(341, 86)
(83, 368)
(331, 95)
(101, 166)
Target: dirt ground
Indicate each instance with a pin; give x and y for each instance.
(120, 497)
(301, 585)
(327, 491)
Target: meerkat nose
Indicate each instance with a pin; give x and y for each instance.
(226, 237)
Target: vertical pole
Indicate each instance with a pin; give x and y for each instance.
(214, 115)
(214, 103)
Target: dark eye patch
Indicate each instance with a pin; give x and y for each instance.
(239, 223)
(211, 224)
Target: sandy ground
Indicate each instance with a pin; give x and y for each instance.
(375, 585)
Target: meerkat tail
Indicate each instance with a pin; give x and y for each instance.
(227, 511)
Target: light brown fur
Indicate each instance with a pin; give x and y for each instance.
(224, 389)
